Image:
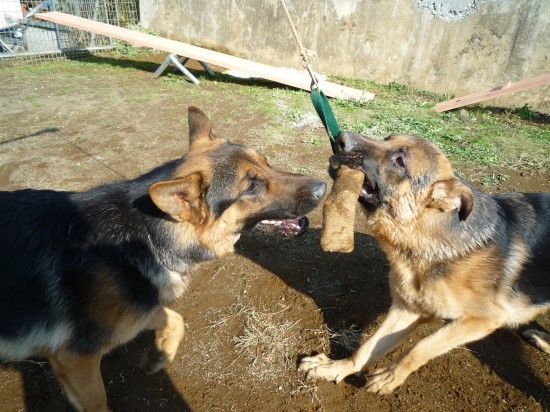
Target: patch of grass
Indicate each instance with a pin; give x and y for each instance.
(349, 103)
(128, 49)
(472, 136)
(494, 179)
(172, 78)
(315, 141)
(302, 169)
(526, 113)
(525, 162)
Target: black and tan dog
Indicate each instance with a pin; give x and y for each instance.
(479, 261)
(83, 272)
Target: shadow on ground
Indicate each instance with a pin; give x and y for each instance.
(128, 387)
(504, 352)
(352, 289)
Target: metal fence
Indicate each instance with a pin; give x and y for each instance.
(23, 37)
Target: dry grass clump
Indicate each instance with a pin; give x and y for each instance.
(266, 345)
(348, 338)
(267, 341)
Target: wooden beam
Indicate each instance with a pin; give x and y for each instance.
(493, 93)
(299, 80)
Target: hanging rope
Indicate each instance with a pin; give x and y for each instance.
(318, 98)
(307, 55)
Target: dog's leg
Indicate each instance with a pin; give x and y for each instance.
(459, 332)
(538, 339)
(80, 376)
(397, 325)
(169, 330)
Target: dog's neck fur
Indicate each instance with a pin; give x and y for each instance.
(166, 246)
(152, 246)
(429, 239)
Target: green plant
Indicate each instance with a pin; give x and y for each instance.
(494, 179)
(302, 170)
(315, 141)
(128, 48)
(526, 113)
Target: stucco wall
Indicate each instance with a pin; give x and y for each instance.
(455, 46)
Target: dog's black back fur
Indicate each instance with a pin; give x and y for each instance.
(527, 216)
(52, 242)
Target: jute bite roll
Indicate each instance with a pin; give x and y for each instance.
(339, 211)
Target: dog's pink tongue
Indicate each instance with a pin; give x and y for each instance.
(284, 227)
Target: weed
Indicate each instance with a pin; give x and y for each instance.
(172, 78)
(128, 48)
(525, 162)
(348, 338)
(349, 103)
(526, 113)
(302, 169)
(315, 141)
(494, 179)
(265, 341)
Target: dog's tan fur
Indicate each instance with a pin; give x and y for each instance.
(447, 260)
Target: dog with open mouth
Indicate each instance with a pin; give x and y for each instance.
(478, 261)
(84, 272)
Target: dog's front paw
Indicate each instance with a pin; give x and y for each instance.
(385, 380)
(538, 339)
(153, 361)
(321, 367)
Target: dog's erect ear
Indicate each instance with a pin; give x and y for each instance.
(181, 198)
(200, 129)
(449, 195)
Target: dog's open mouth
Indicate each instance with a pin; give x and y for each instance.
(284, 227)
(369, 189)
(354, 161)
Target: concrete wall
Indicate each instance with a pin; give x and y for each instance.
(455, 46)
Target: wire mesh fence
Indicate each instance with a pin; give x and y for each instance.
(23, 37)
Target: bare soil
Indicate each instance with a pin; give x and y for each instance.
(249, 316)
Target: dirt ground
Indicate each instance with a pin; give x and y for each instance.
(249, 316)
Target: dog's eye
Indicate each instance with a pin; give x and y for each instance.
(398, 159)
(251, 187)
(255, 187)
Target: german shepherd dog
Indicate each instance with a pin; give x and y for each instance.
(83, 272)
(479, 261)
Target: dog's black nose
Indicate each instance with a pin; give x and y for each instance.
(319, 190)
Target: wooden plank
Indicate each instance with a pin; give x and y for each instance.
(298, 79)
(493, 93)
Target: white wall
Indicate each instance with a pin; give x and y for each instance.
(454, 46)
